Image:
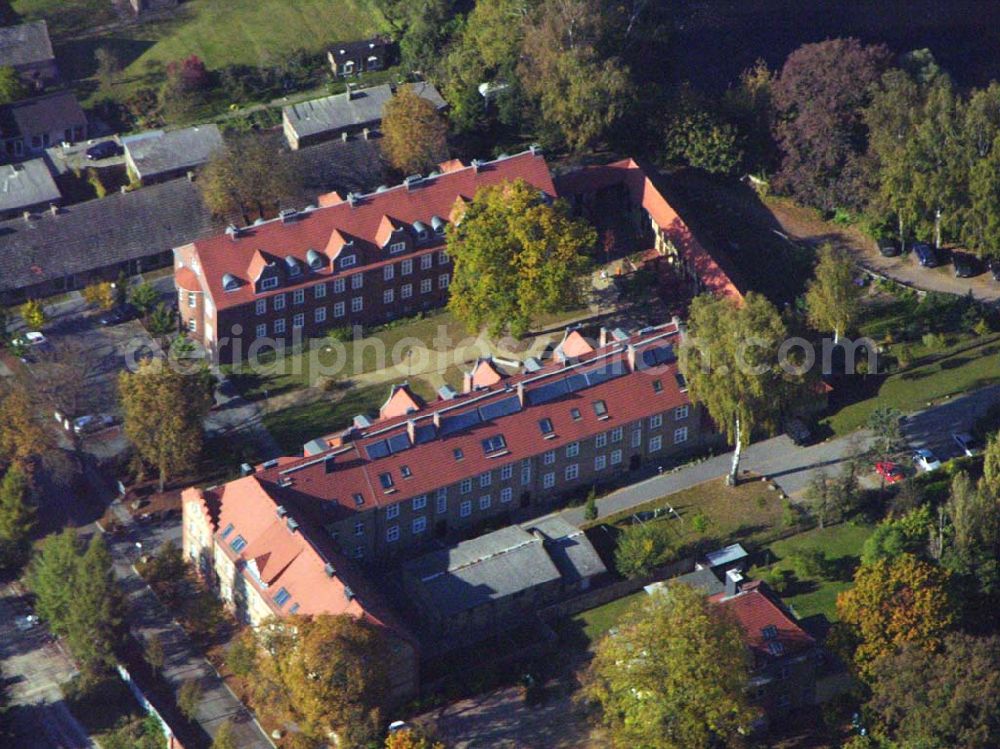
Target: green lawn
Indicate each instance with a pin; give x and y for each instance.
(913, 389)
(594, 623)
(293, 427)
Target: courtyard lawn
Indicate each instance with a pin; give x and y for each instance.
(593, 624)
(294, 426)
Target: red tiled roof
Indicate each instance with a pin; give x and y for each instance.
(291, 559)
(483, 375)
(313, 229)
(186, 279)
(401, 401)
(432, 463)
(756, 610)
(710, 269)
(452, 165)
(574, 345)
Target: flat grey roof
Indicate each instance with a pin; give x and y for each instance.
(726, 555)
(702, 579)
(159, 151)
(25, 43)
(27, 184)
(569, 548)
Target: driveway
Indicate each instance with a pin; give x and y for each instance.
(35, 665)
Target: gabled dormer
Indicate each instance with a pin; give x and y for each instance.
(342, 250)
(392, 236)
(458, 209)
(264, 271)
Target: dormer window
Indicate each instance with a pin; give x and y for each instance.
(769, 632)
(348, 261)
(268, 283)
(494, 444)
(230, 282)
(385, 479)
(397, 247)
(545, 426)
(359, 500)
(600, 409)
(293, 266)
(315, 260)
(421, 230)
(438, 224)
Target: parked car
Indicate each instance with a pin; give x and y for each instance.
(889, 471)
(888, 248)
(30, 342)
(968, 444)
(966, 265)
(994, 266)
(120, 314)
(926, 460)
(926, 255)
(92, 423)
(103, 150)
(797, 431)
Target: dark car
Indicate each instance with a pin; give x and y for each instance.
(888, 249)
(120, 314)
(995, 269)
(966, 265)
(103, 150)
(926, 255)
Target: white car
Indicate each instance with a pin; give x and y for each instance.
(967, 444)
(926, 460)
(92, 423)
(24, 623)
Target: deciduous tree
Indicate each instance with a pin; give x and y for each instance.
(411, 738)
(673, 675)
(729, 358)
(413, 132)
(109, 65)
(163, 412)
(894, 602)
(144, 297)
(17, 518)
(832, 296)
(224, 738)
(21, 437)
(884, 422)
(515, 257)
(12, 88)
(33, 313)
(247, 176)
(100, 294)
(641, 548)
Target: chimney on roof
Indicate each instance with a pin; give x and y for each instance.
(348, 593)
(630, 357)
(602, 339)
(366, 133)
(352, 199)
(344, 136)
(281, 511)
(190, 175)
(437, 419)
(330, 570)
(467, 382)
(520, 393)
(411, 431)
(287, 214)
(26, 215)
(350, 86)
(536, 150)
(53, 209)
(330, 463)
(293, 524)
(734, 582)
(679, 324)
(124, 189)
(476, 163)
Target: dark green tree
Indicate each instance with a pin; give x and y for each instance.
(96, 616)
(12, 87)
(17, 518)
(51, 576)
(144, 298)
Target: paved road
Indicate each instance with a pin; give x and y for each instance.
(36, 665)
(792, 467)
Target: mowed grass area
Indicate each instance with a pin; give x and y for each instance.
(294, 426)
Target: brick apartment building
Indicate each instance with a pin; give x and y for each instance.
(371, 258)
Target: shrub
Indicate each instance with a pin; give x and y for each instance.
(188, 697)
(933, 341)
(779, 579)
(590, 507)
(809, 563)
(700, 523)
(241, 658)
(641, 548)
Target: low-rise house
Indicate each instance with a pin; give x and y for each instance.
(65, 249)
(26, 187)
(30, 126)
(350, 112)
(264, 560)
(497, 582)
(364, 56)
(28, 49)
(159, 155)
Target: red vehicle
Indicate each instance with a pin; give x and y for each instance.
(889, 471)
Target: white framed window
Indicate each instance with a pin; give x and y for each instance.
(506, 494)
(406, 291)
(261, 306)
(406, 267)
(636, 438)
(299, 296)
(420, 502)
(549, 480)
(680, 435)
(319, 315)
(506, 472)
(426, 261)
(338, 309)
(485, 501)
(319, 291)
(465, 509)
(443, 281)
(616, 457)
(443, 257)
(262, 330)
(656, 421)
(655, 443)
(525, 473)
(419, 525)
(616, 434)
(391, 512)
(572, 449)
(442, 501)
(600, 462)
(466, 486)
(426, 285)
(388, 296)
(388, 272)
(298, 320)
(486, 478)
(339, 284)
(549, 458)
(601, 440)
(572, 471)
(357, 304)
(397, 247)
(193, 325)
(269, 283)
(279, 326)
(279, 301)
(348, 261)
(357, 280)
(392, 533)
(359, 528)
(681, 412)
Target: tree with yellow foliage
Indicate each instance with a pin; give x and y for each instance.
(413, 132)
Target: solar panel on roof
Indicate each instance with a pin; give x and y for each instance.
(547, 392)
(657, 355)
(458, 422)
(603, 374)
(377, 450)
(576, 382)
(424, 433)
(500, 408)
(399, 442)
